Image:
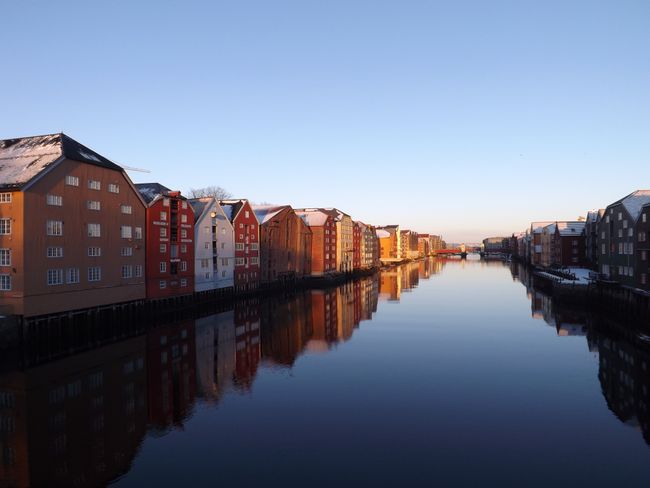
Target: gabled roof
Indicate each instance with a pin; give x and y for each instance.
(536, 227)
(151, 191)
(634, 202)
(595, 215)
(382, 234)
(264, 213)
(24, 158)
(336, 213)
(550, 228)
(313, 217)
(199, 205)
(232, 207)
(571, 228)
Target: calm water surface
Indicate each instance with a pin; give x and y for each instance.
(448, 373)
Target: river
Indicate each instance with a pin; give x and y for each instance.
(438, 373)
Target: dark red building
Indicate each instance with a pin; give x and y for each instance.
(248, 349)
(171, 374)
(169, 269)
(357, 244)
(247, 243)
(570, 245)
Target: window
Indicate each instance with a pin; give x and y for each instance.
(5, 197)
(644, 278)
(163, 248)
(73, 275)
(94, 205)
(239, 246)
(94, 252)
(163, 266)
(163, 232)
(126, 209)
(138, 232)
(94, 273)
(602, 235)
(165, 202)
(224, 261)
(255, 246)
(54, 252)
(205, 263)
(138, 271)
(5, 282)
(5, 257)
(183, 283)
(620, 232)
(206, 245)
(223, 274)
(94, 185)
(72, 180)
(113, 188)
(183, 265)
(94, 230)
(183, 233)
(223, 231)
(162, 284)
(54, 276)
(644, 255)
(126, 251)
(5, 226)
(620, 216)
(239, 261)
(183, 247)
(184, 204)
(241, 236)
(625, 224)
(644, 217)
(184, 218)
(255, 260)
(126, 232)
(54, 228)
(642, 236)
(127, 271)
(163, 215)
(630, 232)
(247, 214)
(56, 200)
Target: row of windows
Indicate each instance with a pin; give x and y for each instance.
(163, 217)
(163, 266)
(163, 283)
(244, 261)
(92, 184)
(72, 275)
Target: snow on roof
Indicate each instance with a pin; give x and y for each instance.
(571, 228)
(538, 226)
(231, 207)
(312, 217)
(264, 213)
(594, 215)
(382, 234)
(634, 202)
(150, 191)
(24, 158)
(199, 205)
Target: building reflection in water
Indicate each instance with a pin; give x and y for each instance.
(79, 420)
(623, 353)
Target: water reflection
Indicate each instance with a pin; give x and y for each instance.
(80, 419)
(623, 352)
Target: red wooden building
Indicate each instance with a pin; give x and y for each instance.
(323, 240)
(357, 245)
(247, 243)
(169, 269)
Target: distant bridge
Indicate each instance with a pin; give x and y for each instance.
(450, 252)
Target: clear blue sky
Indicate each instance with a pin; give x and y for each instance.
(466, 118)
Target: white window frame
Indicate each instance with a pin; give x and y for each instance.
(126, 209)
(55, 252)
(126, 232)
(94, 230)
(113, 188)
(5, 197)
(54, 227)
(5, 282)
(5, 256)
(94, 252)
(94, 273)
(71, 180)
(93, 205)
(94, 184)
(54, 277)
(54, 200)
(73, 275)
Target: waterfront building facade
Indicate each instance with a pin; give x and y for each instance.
(591, 237)
(214, 246)
(285, 244)
(617, 239)
(169, 242)
(390, 244)
(64, 215)
(323, 240)
(570, 244)
(247, 243)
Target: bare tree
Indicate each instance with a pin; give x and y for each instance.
(210, 191)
